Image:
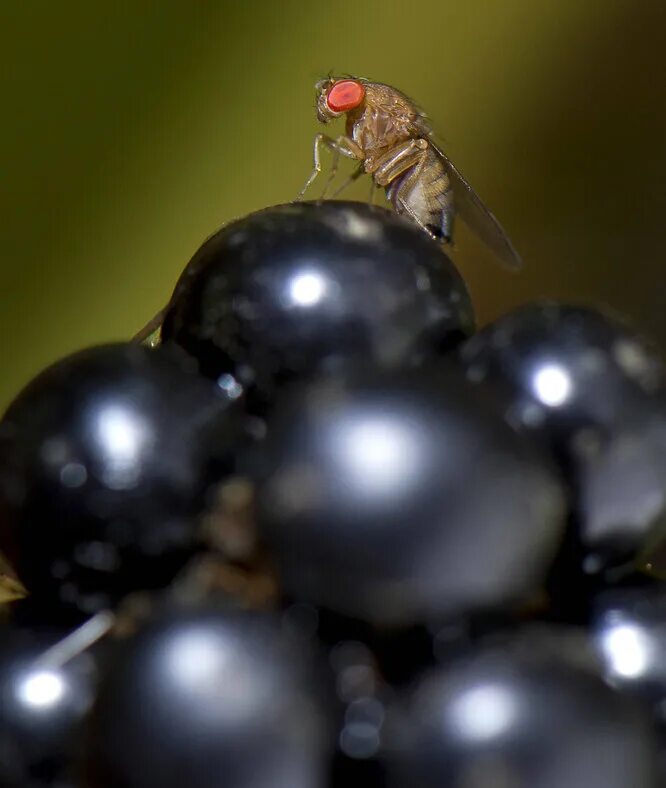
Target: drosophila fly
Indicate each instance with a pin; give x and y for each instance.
(392, 139)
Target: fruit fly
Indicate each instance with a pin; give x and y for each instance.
(392, 139)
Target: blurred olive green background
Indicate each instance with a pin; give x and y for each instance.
(132, 130)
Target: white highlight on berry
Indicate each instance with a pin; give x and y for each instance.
(122, 437)
(484, 712)
(203, 664)
(42, 689)
(358, 227)
(552, 385)
(380, 454)
(119, 432)
(627, 650)
(307, 288)
(196, 659)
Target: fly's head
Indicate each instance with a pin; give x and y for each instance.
(337, 96)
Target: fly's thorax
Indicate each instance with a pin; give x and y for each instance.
(375, 131)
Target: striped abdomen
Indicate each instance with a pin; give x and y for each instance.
(424, 193)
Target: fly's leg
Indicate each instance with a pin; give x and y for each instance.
(402, 193)
(333, 170)
(411, 155)
(394, 162)
(342, 146)
(400, 196)
(353, 177)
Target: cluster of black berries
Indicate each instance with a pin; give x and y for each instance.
(319, 533)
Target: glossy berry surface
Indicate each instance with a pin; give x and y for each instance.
(565, 367)
(42, 706)
(398, 496)
(517, 716)
(207, 698)
(589, 387)
(414, 507)
(629, 631)
(620, 481)
(305, 286)
(104, 463)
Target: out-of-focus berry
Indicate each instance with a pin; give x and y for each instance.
(629, 631)
(207, 699)
(105, 458)
(396, 497)
(506, 716)
(591, 389)
(42, 705)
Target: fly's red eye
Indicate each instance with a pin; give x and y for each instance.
(345, 95)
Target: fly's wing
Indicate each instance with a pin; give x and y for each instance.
(478, 218)
(10, 589)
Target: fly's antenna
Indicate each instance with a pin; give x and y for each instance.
(324, 80)
(327, 78)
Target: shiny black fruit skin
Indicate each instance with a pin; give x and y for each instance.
(41, 710)
(588, 386)
(398, 496)
(105, 458)
(299, 287)
(565, 367)
(522, 715)
(628, 628)
(206, 698)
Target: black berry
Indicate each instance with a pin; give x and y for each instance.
(399, 496)
(207, 698)
(295, 288)
(629, 631)
(505, 716)
(590, 388)
(42, 705)
(104, 463)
